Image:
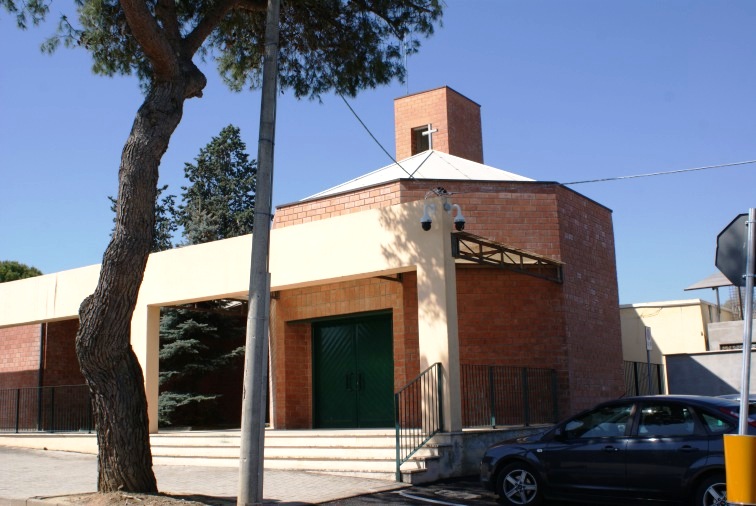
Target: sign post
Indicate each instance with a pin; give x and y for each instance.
(648, 357)
(736, 258)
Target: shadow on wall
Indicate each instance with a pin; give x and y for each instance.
(706, 374)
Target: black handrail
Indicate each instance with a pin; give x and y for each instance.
(417, 414)
(65, 408)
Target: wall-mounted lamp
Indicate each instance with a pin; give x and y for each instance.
(426, 221)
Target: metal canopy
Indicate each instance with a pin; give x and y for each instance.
(475, 249)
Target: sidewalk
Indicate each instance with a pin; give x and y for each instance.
(26, 476)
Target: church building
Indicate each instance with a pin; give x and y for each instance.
(435, 259)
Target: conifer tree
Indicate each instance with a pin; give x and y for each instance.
(198, 341)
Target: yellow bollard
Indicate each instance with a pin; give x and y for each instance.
(740, 466)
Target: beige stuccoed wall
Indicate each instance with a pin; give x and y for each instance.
(676, 327)
(365, 244)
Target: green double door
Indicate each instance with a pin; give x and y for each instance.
(353, 373)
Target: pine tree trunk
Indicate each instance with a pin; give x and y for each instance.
(103, 347)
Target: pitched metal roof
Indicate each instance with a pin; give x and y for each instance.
(716, 280)
(426, 165)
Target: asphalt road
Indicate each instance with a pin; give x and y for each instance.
(457, 492)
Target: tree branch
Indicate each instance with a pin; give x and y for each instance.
(165, 10)
(212, 19)
(151, 38)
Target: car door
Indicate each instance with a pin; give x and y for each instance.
(667, 441)
(588, 455)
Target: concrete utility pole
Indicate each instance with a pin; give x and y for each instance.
(256, 355)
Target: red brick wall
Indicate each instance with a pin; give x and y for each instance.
(291, 337)
(375, 197)
(61, 367)
(591, 300)
(19, 361)
(511, 319)
(465, 132)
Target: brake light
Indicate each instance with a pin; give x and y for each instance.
(736, 414)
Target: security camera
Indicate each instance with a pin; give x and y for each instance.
(459, 220)
(459, 223)
(426, 221)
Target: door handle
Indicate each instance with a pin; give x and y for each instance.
(611, 449)
(688, 449)
(360, 382)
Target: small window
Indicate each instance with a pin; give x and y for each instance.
(422, 139)
(609, 421)
(715, 424)
(666, 420)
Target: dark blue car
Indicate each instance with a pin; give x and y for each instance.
(657, 448)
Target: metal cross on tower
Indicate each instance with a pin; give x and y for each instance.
(429, 133)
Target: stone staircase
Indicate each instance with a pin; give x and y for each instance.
(366, 453)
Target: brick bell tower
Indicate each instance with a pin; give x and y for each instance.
(439, 119)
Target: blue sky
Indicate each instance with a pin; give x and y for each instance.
(570, 91)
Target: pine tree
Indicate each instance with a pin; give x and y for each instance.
(197, 342)
(220, 202)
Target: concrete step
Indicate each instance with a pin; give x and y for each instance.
(365, 453)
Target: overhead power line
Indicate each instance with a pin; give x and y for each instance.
(373, 136)
(662, 173)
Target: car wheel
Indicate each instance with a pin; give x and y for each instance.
(711, 491)
(517, 484)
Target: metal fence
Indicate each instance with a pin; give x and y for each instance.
(46, 409)
(501, 395)
(642, 379)
(417, 414)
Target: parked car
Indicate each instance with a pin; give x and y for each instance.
(662, 448)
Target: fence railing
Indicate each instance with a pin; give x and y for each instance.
(640, 379)
(417, 414)
(46, 409)
(502, 395)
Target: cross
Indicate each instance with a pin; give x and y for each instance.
(429, 132)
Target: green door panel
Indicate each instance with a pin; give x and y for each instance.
(375, 358)
(334, 381)
(353, 373)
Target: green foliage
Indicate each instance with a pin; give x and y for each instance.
(220, 201)
(33, 11)
(11, 270)
(325, 45)
(340, 45)
(201, 353)
(187, 409)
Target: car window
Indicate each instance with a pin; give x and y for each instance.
(607, 421)
(665, 420)
(715, 424)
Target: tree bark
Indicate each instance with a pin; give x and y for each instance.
(103, 347)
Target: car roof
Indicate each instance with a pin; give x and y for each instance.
(690, 399)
